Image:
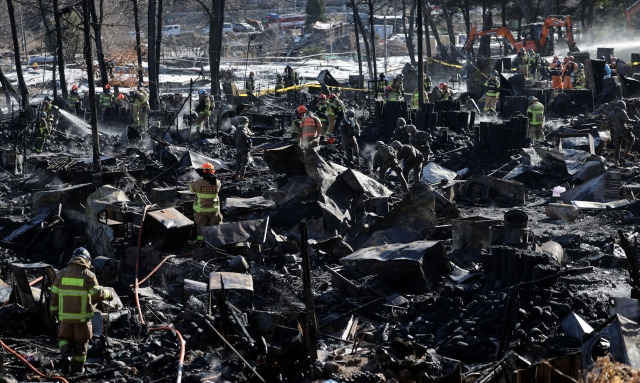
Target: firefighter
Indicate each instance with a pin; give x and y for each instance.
(206, 205)
(279, 85)
(415, 98)
(323, 110)
(382, 84)
(336, 109)
(614, 66)
(607, 68)
(204, 111)
(621, 133)
(250, 85)
(493, 93)
(523, 62)
(419, 139)
(42, 133)
(74, 293)
(533, 64)
(535, 112)
(568, 73)
(243, 143)
(51, 111)
(107, 100)
(556, 74)
(411, 159)
(445, 92)
(400, 133)
(397, 87)
(140, 106)
(385, 159)
(349, 131)
(581, 80)
(73, 100)
(310, 126)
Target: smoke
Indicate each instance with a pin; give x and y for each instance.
(487, 118)
(368, 151)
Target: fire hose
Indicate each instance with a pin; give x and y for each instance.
(22, 358)
(182, 349)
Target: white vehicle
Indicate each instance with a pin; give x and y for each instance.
(227, 27)
(171, 30)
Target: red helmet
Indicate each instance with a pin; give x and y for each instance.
(443, 85)
(208, 168)
(388, 87)
(107, 86)
(556, 58)
(250, 73)
(322, 97)
(332, 96)
(121, 96)
(302, 109)
(74, 87)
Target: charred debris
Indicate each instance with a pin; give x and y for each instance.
(506, 261)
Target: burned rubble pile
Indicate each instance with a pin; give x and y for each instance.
(506, 260)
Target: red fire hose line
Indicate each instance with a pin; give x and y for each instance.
(156, 268)
(182, 349)
(60, 378)
(144, 214)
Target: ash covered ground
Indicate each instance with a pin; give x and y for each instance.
(476, 274)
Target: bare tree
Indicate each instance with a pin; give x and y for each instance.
(59, 52)
(136, 22)
(154, 102)
(447, 19)
(216, 21)
(408, 32)
(365, 39)
(96, 23)
(525, 11)
(93, 113)
(24, 92)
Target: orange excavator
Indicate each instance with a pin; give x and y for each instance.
(537, 39)
(633, 8)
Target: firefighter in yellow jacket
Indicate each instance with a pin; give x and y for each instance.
(206, 205)
(73, 296)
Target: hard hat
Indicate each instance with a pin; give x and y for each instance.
(378, 144)
(208, 168)
(580, 66)
(243, 119)
(202, 92)
(601, 58)
(322, 97)
(121, 96)
(388, 87)
(74, 87)
(495, 73)
(332, 96)
(396, 144)
(442, 85)
(622, 104)
(250, 73)
(83, 253)
(302, 109)
(47, 99)
(571, 58)
(531, 50)
(400, 75)
(522, 50)
(411, 129)
(107, 86)
(556, 58)
(532, 99)
(350, 113)
(614, 59)
(565, 59)
(401, 122)
(429, 78)
(382, 75)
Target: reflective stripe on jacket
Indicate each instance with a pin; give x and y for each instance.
(493, 86)
(207, 200)
(75, 291)
(537, 114)
(106, 99)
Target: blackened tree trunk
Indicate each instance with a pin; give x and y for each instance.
(93, 113)
(434, 28)
(373, 42)
(216, 21)
(447, 18)
(24, 92)
(158, 51)
(96, 24)
(408, 32)
(365, 39)
(151, 32)
(59, 51)
(136, 21)
(353, 5)
(525, 11)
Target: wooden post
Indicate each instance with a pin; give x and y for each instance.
(311, 329)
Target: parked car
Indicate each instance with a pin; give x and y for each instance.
(227, 27)
(243, 27)
(171, 30)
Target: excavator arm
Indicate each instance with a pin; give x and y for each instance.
(559, 21)
(498, 32)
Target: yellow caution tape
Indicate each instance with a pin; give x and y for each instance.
(432, 60)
